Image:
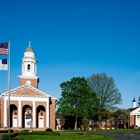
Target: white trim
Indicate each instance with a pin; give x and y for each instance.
(27, 99)
(5, 112)
(19, 113)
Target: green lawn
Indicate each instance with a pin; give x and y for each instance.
(65, 137)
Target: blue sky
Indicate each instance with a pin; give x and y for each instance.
(74, 38)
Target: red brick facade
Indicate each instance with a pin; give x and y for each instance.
(52, 115)
(132, 120)
(40, 107)
(34, 82)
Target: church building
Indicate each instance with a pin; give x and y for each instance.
(134, 114)
(29, 106)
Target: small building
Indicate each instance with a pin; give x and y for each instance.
(30, 107)
(134, 115)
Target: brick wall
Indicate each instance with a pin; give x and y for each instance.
(52, 115)
(34, 82)
(28, 91)
(132, 120)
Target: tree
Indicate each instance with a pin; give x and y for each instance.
(122, 116)
(107, 92)
(77, 99)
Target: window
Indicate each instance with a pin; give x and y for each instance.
(28, 67)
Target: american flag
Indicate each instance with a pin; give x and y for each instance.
(4, 48)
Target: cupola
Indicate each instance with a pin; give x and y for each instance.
(134, 103)
(29, 68)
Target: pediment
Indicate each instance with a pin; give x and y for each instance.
(135, 111)
(27, 90)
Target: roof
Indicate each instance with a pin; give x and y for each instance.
(131, 109)
(29, 49)
(21, 91)
(134, 100)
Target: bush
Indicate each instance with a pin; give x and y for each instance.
(48, 130)
(39, 133)
(6, 131)
(25, 130)
(9, 136)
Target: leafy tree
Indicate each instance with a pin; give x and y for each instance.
(122, 116)
(107, 92)
(77, 99)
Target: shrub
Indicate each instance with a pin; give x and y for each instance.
(9, 136)
(39, 133)
(48, 130)
(6, 131)
(25, 130)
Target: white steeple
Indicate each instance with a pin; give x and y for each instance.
(29, 63)
(134, 103)
(29, 68)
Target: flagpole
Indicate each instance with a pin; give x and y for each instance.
(9, 85)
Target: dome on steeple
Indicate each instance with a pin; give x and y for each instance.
(29, 52)
(29, 49)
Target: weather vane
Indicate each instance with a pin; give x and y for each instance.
(29, 43)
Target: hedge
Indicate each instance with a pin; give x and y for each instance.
(9, 136)
(6, 131)
(12, 136)
(39, 133)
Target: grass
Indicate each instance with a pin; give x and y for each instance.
(70, 135)
(65, 137)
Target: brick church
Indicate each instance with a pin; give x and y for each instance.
(134, 114)
(29, 106)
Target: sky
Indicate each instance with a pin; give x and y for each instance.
(74, 38)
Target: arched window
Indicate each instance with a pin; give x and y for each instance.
(28, 67)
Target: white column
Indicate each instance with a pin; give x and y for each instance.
(26, 67)
(32, 67)
(136, 120)
(5, 113)
(34, 114)
(19, 113)
(47, 113)
(35, 68)
(22, 67)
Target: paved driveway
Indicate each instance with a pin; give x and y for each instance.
(124, 135)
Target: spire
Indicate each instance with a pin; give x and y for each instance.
(134, 100)
(134, 103)
(29, 43)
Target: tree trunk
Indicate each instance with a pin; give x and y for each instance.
(75, 124)
(99, 121)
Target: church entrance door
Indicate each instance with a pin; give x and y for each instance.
(14, 120)
(27, 121)
(41, 121)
